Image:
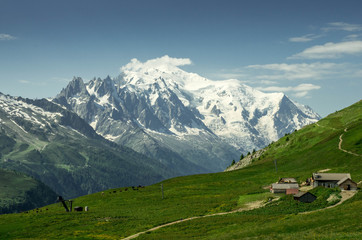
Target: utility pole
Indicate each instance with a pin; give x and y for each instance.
(276, 167)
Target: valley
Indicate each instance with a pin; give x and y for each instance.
(118, 213)
(180, 120)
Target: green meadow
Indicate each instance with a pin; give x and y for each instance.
(118, 213)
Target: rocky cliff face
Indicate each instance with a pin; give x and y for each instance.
(186, 121)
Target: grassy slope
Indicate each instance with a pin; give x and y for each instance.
(19, 192)
(74, 165)
(120, 214)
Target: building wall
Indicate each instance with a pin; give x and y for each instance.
(352, 185)
(278, 190)
(292, 191)
(327, 184)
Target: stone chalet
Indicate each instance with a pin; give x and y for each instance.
(285, 185)
(287, 188)
(331, 180)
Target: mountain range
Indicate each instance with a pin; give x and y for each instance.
(152, 122)
(179, 118)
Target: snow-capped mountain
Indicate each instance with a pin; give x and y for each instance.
(57, 147)
(178, 117)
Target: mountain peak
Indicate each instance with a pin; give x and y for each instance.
(165, 68)
(76, 86)
(180, 111)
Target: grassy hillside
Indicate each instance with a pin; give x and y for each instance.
(19, 192)
(75, 166)
(119, 213)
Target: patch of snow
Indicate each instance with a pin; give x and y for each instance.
(94, 123)
(110, 137)
(104, 100)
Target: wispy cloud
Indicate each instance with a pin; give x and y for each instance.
(32, 83)
(229, 74)
(300, 90)
(352, 37)
(268, 82)
(334, 26)
(276, 77)
(330, 50)
(5, 37)
(305, 38)
(284, 71)
(342, 26)
(24, 81)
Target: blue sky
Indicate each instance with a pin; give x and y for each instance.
(311, 50)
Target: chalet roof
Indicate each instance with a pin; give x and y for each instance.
(330, 176)
(285, 186)
(343, 180)
(287, 180)
(300, 194)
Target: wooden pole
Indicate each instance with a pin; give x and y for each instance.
(276, 167)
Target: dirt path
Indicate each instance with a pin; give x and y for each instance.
(340, 140)
(340, 145)
(345, 196)
(249, 206)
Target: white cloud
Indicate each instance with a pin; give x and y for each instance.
(24, 81)
(330, 50)
(351, 37)
(305, 38)
(157, 63)
(342, 26)
(300, 90)
(274, 89)
(268, 82)
(306, 87)
(301, 94)
(4, 37)
(229, 75)
(32, 83)
(283, 71)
